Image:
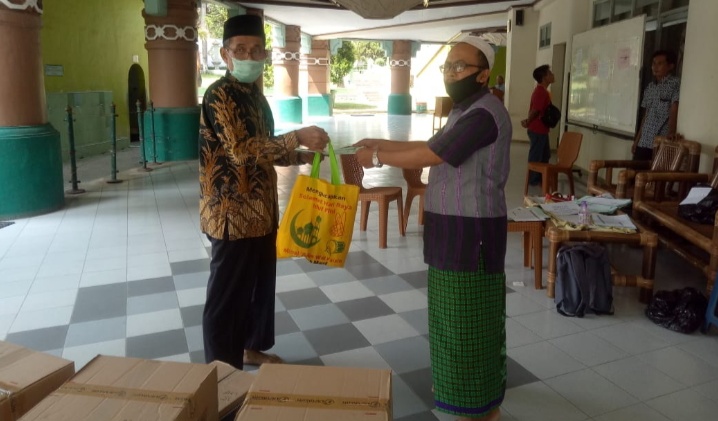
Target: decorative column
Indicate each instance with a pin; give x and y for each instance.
(30, 151)
(320, 101)
(400, 63)
(171, 35)
(287, 102)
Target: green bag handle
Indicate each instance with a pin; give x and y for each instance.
(333, 164)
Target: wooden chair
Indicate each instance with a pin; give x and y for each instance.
(680, 155)
(567, 153)
(696, 243)
(441, 109)
(354, 174)
(415, 187)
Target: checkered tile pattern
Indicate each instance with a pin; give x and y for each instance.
(122, 270)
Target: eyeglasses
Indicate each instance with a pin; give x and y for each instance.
(456, 67)
(242, 53)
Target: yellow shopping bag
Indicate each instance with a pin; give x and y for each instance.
(319, 221)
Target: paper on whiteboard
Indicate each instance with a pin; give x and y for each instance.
(696, 195)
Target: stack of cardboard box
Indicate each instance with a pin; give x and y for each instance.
(36, 386)
(26, 377)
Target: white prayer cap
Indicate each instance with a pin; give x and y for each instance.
(481, 44)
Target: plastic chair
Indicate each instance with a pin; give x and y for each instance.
(415, 187)
(567, 154)
(354, 174)
(711, 317)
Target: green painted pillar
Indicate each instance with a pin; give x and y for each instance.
(399, 104)
(30, 170)
(399, 101)
(287, 110)
(319, 105)
(176, 134)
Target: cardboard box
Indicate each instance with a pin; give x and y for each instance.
(132, 389)
(283, 392)
(232, 387)
(26, 377)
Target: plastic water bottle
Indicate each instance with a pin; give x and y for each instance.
(584, 216)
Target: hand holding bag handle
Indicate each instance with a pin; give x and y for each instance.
(333, 165)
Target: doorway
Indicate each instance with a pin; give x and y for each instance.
(558, 63)
(135, 92)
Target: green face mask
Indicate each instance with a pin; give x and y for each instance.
(247, 71)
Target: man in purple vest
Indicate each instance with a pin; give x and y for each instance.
(464, 233)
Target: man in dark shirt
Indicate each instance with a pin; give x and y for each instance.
(238, 205)
(539, 148)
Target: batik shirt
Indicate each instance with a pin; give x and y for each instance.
(657, 100)
(465, 204)
(237, 151)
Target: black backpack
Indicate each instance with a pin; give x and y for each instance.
(583, 281)
(551, 116)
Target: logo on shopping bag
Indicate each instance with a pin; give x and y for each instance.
(306, 235)
(335, 247)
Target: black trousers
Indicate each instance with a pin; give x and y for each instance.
(643, 154)
(539, 151)
(239, 311)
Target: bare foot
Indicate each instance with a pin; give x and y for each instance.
(252, 357)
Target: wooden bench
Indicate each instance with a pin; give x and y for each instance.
(696, 243)
(679, 155)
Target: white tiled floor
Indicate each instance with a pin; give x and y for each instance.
(608, 368)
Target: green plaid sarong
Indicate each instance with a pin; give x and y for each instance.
(467, 335)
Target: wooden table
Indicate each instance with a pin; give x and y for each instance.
(532, 240)
(645, 238)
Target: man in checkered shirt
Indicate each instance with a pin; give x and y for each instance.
(660, 103)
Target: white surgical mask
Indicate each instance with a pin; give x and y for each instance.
(247, 71)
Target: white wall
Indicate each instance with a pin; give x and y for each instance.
(699, 85)
(521, 45)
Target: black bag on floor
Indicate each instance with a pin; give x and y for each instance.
(583, 280)
(681, 310)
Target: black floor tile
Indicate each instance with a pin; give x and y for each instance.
(355, 258)
(190, 266)
(364, 308)
(333, 339)
(157, 345)
(422, 416)
(197, 357)
(283, 323)
(310, 267)
(100, 302)
(517, 375)
(417, 279)
(419, 381)
(368, 271)
(44, 339)
(192, 316)
(303, 298)
(150, 286)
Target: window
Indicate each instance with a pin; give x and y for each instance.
(545, 36)
(609, 11)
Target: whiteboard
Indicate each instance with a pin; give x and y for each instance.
(605, 83)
